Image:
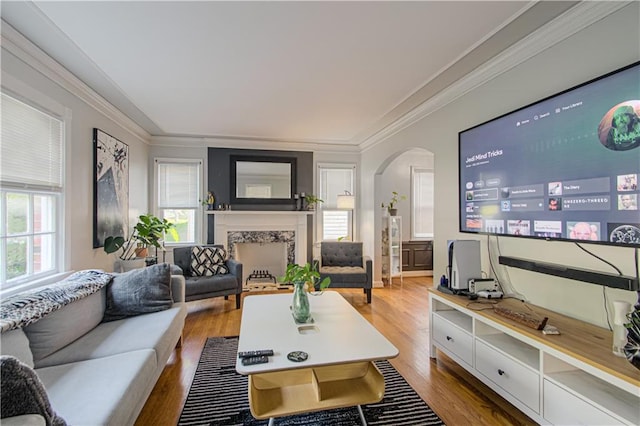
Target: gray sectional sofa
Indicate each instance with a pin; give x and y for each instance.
(96, 372)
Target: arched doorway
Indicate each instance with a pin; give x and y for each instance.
(402, 173)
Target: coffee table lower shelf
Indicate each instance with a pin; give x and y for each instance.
(288, 392)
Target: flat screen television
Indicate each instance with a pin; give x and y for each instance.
(563, 168)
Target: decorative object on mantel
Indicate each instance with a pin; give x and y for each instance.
(391, 206)
(312, 201)
(301, 276)
(210, 201)
(632, 348)
(110, 187)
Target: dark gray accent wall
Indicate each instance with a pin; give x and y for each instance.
(219, 178)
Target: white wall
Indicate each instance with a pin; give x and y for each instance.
(602, 47)
(78, 235)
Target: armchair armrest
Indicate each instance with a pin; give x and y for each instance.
(368, 266)
(235, 269)
(178, 288)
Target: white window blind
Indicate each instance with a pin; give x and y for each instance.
(178, 186)
(422, 202)
(31, 147)
(334, 182)
(31, 185)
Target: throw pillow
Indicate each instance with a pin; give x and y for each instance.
(140, 291)
(208, 261)
(23, 392)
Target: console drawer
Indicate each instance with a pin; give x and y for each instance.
(564, 408)
(453, 339)
(520, 381)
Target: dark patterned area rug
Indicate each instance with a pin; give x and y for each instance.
(218, 396)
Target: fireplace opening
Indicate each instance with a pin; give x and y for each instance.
(262, 261)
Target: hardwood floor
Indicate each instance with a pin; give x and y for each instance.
(398, 312)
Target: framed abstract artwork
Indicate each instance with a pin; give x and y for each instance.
(110, 187)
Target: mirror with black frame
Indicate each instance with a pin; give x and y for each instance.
(262, 179)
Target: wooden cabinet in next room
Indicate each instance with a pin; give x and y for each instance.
(417, 256)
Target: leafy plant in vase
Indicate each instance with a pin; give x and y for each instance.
(312, 201)
(301, 276)
(149, 231)
(391, 206)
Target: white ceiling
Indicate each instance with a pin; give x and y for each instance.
(324, 72)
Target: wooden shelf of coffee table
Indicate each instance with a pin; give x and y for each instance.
(303, 390)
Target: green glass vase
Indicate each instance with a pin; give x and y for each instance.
(300, 306)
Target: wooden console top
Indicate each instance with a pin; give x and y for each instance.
(578, 339)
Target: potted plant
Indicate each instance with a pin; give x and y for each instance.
(299, 276)
(312, 201)
(395, 198)
(150, 231)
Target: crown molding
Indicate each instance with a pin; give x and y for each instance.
(245, 143)
(557, 30)
(19, 46)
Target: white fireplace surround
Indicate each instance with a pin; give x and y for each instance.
(233, 227)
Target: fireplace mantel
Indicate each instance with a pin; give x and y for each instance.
(258, 212)
(233, 221)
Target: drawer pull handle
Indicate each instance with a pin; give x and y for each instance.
(500, 372)
(449, 338)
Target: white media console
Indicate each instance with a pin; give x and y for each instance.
(571, 378)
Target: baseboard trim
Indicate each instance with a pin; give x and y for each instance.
(422, 273)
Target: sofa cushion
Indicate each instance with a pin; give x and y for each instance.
(63, 326)
(23, 392)
(208, 261)
(158, 331)
(204, 285)
(15, 343)
(344, 274)
(102, 391)
(138, 292)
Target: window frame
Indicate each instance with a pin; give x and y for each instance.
(199, 216)
(17, 90)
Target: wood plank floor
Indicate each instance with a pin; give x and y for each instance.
(399, 312)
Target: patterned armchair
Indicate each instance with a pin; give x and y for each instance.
(344, 263)
(202, 287)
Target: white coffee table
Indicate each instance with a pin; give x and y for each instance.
(339, 371)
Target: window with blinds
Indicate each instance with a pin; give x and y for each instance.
(334, 180)
(178, 195)
(31, 187)
(422, 203)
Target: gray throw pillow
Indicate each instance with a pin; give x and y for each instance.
(140, 291)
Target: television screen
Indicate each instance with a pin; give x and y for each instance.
(565, 168)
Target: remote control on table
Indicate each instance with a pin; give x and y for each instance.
(247, 354)
(252, 360)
